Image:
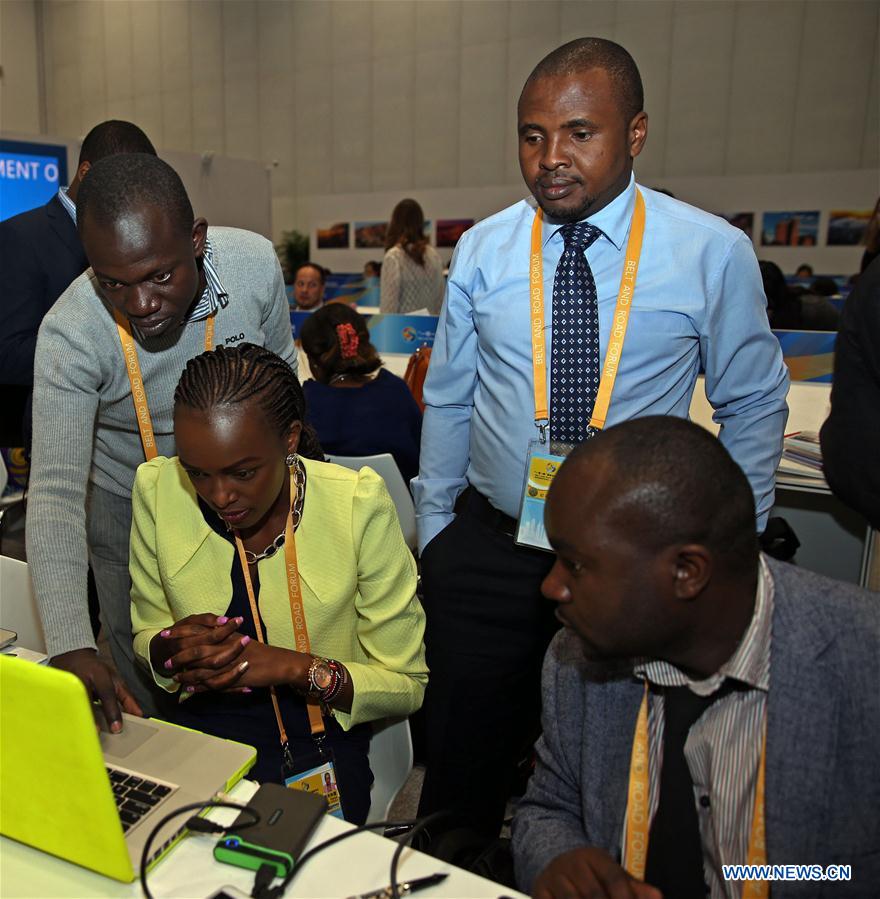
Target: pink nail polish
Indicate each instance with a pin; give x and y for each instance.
(239, 620)
(165, 633)
(247, 690)
(168, 664)
(190, 689)
(245, 640)
(222, 619)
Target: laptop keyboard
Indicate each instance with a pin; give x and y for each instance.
(135, 796)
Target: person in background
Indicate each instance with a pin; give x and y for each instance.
(162, 285)
(372, 284)
(357, 407)
(684, 647)
(783, 304)
(804, 272)
(581, 124)
(824, 287)
(40, 254)
(871, 239)
(308, 287)
(214, 534)
(412, 271)
(850, 437)
(793, 309)
(818, 313)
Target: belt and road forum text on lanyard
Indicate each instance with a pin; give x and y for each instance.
(542, 463)
(638, 810)
(311, 779)
(136, 380)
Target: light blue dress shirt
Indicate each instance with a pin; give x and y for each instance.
(698, 302)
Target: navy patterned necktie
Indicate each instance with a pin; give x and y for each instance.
(574, 371)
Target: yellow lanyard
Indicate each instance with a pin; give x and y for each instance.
(297, 615)
(618, 325)
(135, 379)
(638, 810)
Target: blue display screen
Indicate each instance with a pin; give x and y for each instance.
(29, 175)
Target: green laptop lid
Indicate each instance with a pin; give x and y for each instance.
(54, 791)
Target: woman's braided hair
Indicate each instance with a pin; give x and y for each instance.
(230, 376)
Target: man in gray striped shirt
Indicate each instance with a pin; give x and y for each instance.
(176, 284)
(668, 603)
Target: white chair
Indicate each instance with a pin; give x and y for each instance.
(18, 607)
(385, 466)
(391, 760)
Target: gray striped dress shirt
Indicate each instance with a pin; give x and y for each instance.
(724, 747)
(214, 296)
(67, 203)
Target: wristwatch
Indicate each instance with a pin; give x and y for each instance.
(320, 677)
(326, 678)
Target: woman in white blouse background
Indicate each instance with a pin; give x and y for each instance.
(412, 271)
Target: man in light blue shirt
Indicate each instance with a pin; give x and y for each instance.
(698, 303)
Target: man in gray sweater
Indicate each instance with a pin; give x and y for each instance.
(161, 288)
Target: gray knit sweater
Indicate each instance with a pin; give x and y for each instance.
(84, 422)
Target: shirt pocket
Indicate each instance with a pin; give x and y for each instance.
(660, 359)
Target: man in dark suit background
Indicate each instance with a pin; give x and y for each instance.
(40, 254)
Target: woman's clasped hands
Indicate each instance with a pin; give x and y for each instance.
(206, 652)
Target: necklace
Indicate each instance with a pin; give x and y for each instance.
(299, 481)
(270, 550)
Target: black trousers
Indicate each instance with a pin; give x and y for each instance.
(488, 627)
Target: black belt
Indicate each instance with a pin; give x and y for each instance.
(473, 503)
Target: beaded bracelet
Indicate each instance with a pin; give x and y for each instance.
(340, 679)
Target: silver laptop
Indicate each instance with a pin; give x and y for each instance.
(93, 798)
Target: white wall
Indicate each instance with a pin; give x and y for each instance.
(416, 94)
(455, 202)
(19, 56)
(224, 191)
(778, 193)
(717, 194)
(398, 97)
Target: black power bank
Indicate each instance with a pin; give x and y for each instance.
(287, 820)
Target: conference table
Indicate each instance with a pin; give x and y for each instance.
(352, 867)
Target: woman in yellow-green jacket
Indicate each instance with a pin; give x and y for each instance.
(272, 591)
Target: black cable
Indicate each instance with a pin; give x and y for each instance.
(197, 824)
(277, 891)
(202, 825)
(414, 825)
(395, 859)
(265, 875)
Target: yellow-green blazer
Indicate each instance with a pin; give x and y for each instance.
(358, 579)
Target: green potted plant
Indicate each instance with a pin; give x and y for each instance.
(292, 252)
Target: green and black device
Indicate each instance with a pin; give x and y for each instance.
(287, 820)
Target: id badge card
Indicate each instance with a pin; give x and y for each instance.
(320, 779)
(541, 468)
